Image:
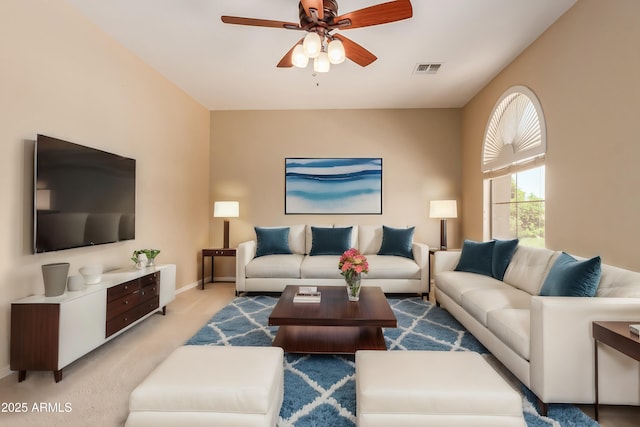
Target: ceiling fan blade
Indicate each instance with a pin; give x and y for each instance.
(375, 15)
(355, 52)
(286, 62)
(313, 4)
(260, 22)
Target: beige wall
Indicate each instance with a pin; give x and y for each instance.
(421, 161)
(61, 77)
(585, 70)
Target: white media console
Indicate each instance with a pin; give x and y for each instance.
(49, 333)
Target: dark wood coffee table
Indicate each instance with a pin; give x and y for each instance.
(335, 325)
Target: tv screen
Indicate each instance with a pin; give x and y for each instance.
(82, 196)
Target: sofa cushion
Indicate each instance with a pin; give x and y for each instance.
(457, 283)
(512, 327)
(502, 254)
(528, 268)
(297, 238)
(480, 302)
(392, 267)
(272, 240)
(476, 257)
(569, 277)
(397, 241)
(320, 267)
(618, 282)
(279, 266)
(369, 239)
(330, 241)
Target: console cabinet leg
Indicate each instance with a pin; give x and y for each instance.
(22, 375)
(544, 407)
(57, 375)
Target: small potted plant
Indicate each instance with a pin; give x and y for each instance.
(151, 256)
(139, 258)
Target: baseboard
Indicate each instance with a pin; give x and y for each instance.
(5, 372)
(225, 279)
(187, 287)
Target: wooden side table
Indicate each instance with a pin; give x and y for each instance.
(432, 256)
(214, 253)
(617, 336)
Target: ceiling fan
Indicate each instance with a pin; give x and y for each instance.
(319, 18)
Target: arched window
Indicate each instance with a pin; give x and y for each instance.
(515, 143)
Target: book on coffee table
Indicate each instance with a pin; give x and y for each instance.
(307, 294)
(635, 329)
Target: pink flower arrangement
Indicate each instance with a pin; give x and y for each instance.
(352, 262)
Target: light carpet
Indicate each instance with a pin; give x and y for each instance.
(320, 390)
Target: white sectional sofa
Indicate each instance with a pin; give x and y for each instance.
(272, 272)
(545, 341)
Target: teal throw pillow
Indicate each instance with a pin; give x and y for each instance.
(330, 241)
(272, 241)
(477, 257)
(397, 241)
(569, 277)
(502, 253)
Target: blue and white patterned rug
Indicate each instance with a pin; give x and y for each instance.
(320, 390)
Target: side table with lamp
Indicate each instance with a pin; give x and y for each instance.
(226, 210)
(441, 209)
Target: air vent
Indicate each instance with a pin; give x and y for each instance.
(427, 68)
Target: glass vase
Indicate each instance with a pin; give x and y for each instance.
(353, 286)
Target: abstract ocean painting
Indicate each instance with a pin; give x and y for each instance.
(333, 186)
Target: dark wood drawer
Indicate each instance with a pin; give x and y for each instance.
(122, 320)
(149, 292)
(150, 278)
(123, 304)
(149, 306)
(222, 252)
(122, 290)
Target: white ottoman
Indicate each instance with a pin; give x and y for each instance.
(434, 388)
(210, 385)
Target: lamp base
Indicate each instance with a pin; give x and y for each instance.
(226, 234)
(443, 234)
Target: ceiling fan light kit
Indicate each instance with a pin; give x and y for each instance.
(336, 53)
(319, 18)
(298, 57)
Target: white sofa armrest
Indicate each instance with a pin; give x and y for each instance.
(245, 252)
(562, 349)
(445, 261)
(421, 257)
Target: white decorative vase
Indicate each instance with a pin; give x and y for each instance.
(75, 283)
(55, 278)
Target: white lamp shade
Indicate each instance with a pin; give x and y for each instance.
(226, 209)
(298, 57)
(443, 209)
(335, 50)
(312, 45)
(321, 64)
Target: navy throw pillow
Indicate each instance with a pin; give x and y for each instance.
(502, 253)
(569, 277)
(272, 241)
(397, 241)
(330, 241)
(477, 257)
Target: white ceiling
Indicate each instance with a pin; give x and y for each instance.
(233, 67)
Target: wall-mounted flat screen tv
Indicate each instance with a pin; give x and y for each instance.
(82, 196)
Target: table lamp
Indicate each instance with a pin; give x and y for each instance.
(443, 209)
(226, 210)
